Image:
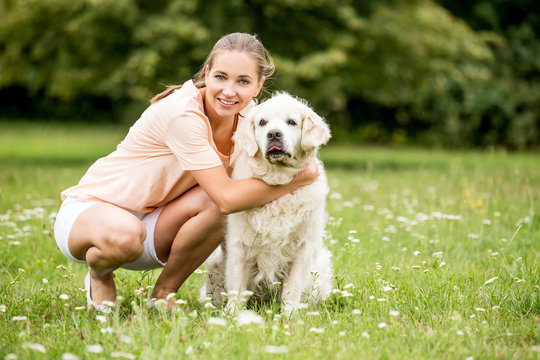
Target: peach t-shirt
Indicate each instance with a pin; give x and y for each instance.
(151, 166)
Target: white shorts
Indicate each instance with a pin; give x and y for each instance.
(72, 207)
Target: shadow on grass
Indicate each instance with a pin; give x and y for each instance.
(46, 161)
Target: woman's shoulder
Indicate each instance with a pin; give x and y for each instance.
(186, 98)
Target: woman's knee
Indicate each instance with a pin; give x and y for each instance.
(126, 244)
(206, 205)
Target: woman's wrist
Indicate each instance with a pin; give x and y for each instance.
(307, 176)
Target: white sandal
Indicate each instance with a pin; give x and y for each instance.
(106, 306)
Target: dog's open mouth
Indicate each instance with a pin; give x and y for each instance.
(276, 153)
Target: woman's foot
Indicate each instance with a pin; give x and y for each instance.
(162, 300)
(100, 291)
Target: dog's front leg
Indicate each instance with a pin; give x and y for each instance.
(236, 276)
(295, 284)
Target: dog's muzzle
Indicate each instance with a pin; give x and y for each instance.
(275, 145)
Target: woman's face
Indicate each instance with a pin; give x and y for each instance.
(231, 83)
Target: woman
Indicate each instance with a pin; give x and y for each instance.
(159, 200)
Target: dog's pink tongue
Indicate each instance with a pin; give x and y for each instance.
(274, 148)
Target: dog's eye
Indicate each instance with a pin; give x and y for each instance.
(262, 122)
(291, 122)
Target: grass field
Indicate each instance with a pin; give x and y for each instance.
(436, 256)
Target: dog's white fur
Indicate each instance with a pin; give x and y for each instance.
(276, 250)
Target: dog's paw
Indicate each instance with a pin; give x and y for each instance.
(232, 307)
(289, 310)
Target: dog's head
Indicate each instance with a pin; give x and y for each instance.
(283, 130)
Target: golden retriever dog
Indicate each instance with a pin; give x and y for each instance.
(276, 250)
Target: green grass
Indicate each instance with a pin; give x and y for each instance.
(436, 256)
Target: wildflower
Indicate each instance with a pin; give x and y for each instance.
(96, 349)
(313, 313)
(395, 268)
(61, 267)
(442, 264)
(10, 357)
(416, 253)
(64, 297)
(479, 309)
(3, 308)
(459, 332)
(491, 280)
(382, 325)
(45, 281)
(356, 312)
(365, 334)
(247, 317)
(416, 267)
(118, 354)
(486, 222)
(385, 238)
(386, 288)
(35, 346)
(217, 321)
(473, 236)
(316, 330)
(271, 349)
(393, 313)
(101, 318)
(438, 255)
(189, 350)
(70, 356)
(381, 300)
(342, 333)
(346, 294)
(19, 318)
(107, 330)
(199, 271)
(180, 302)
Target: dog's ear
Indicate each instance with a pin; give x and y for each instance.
(244, 137)
(315, 132)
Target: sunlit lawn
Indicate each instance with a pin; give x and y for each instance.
(436, 255)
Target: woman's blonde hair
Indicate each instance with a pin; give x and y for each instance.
(240, 42)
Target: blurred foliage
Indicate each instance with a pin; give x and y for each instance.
(451, 72)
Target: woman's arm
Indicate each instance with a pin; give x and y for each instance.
(236, 195)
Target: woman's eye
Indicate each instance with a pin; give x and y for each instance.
(220, 77)
(262, 122)
(244, 82)
(291, 122)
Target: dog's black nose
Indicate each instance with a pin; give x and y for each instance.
(274, 134)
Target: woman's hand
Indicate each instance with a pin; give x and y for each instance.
(308, 175)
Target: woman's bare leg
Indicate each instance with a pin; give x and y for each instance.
(106, 237)
(187, 231)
